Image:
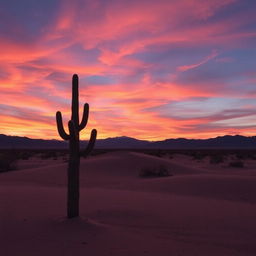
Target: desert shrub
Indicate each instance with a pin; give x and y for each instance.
(7, 161)
(245, 155)
(97, 152)
(25, 155)
(65, 159)
(49, 154)
(171, 156)
(237, 164)
(216, 159)
(154, 172)
(155, 152)
(62, 154)
(160, 153)
(240, 155)
(253, 157)
(198, 155)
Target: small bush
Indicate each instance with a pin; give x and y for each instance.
(25, 155)
(240, 156)
(154, 172)
(237, 164)
(7, 161)
(159, 153)
(198, 155)
(65, 159)
(49, 154)
(171, 156)
(216, 159)
(253, 157)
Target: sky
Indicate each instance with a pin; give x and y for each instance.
(149, 69)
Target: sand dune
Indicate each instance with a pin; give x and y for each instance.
(193, 212)
(108, 167)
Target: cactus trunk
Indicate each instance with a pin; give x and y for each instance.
(74, 148)
(73, 180)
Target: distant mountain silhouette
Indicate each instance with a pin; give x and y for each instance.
(24, 142)
(229, 142)
(122, 142)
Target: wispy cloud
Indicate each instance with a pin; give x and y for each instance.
(140, 63)
(205, 60)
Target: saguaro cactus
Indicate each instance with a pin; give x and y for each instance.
(75, 127)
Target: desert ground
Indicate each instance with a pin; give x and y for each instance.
(202, 208)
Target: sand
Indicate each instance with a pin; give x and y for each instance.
(201, 210)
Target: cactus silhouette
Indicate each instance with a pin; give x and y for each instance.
(74, 149)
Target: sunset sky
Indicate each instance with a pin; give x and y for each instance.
(150, 69)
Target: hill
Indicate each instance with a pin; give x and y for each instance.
(222, 142)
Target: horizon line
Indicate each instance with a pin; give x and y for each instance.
(123, 136)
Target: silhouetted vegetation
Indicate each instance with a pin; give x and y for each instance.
(75, 127)
(49, 154)
(154, 172)
(96, 152)
(236, 164)
(216, 159)
(198, 155)
(245, 155)
(25, 155)
(8, 161)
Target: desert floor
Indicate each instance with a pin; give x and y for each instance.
(202, 209)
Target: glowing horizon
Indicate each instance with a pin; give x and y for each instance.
(149, 70)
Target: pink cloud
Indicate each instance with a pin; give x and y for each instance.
(205, 60)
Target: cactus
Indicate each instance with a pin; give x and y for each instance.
(74, 149)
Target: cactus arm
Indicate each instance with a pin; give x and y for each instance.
(91, 143)
(85, 117)
(60, 127)
(75, 105)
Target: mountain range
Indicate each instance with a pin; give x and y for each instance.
(225, 142)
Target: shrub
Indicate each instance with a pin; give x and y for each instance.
(198, 155)
(49, 154)
(245, 155)
(154, 172)
(216, 159)
(7, 161)
(155, 152)
(25, 155)
(159, 153)
(237, 164)
(240, 155)
(65, 159)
